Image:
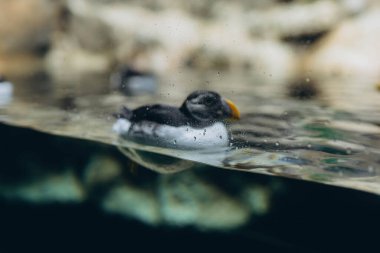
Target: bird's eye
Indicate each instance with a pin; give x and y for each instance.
(208, 101)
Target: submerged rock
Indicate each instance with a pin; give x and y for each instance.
(63, 188)
(101, 169)
(133, 202)
(187, 199)
(68, 171)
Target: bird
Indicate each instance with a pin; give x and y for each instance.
(199, 123)
(6, 91)
(132, 82)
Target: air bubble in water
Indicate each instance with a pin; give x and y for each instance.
(195, 138)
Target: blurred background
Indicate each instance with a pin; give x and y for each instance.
(306, 47)
(72, 63)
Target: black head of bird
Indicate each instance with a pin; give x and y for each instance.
(209, 106)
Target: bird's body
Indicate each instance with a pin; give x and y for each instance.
(190, 126)
(183, 137)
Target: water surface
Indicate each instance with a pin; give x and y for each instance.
(278, 136)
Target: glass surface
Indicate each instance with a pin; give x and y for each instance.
(278, 136)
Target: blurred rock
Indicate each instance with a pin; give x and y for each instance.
(257, 199)
(63, 187)
(349, 51)
(26, 25)
(25, 30)
(133, 202)
(90, 32)
(189, 200)
(162, 41)
(356, 6)
(295, 19)
(101, 169)
(346, 65)
(163, 37)
(266, 60)
(21, 65)
(66, 61)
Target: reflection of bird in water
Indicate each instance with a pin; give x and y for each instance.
(6, 91)
(197, 123)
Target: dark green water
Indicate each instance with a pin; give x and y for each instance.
(304, 216)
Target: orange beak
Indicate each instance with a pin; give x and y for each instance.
(234, 109)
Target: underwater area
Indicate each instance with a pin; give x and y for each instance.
(298, 171)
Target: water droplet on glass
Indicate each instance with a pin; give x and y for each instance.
(309, 145)
(175, 142)
(221, 137)
(370, 169)
(307, 79)
(277, 143)
(348, 151)
(195, 138)
(204, 132)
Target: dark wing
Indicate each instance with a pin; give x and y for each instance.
(161, 114)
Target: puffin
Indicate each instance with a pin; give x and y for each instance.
(199, 123)
(6, 91)
(132, 82)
